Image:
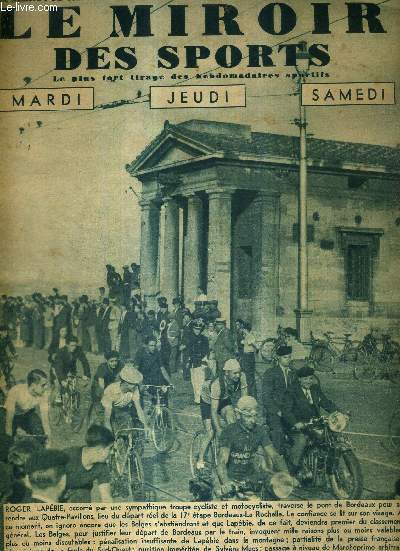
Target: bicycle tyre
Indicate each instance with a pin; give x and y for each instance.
(56, 414)
(135, 475)
(322, 358)
(163, 429)
(56, 411)
(394, 430)
(76, 413)
(210, 456)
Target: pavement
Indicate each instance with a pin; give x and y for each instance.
(167, 475)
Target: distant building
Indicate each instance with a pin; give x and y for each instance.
(228, 203)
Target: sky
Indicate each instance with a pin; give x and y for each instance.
(66, 209)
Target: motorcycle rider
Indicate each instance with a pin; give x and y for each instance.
(301, 403)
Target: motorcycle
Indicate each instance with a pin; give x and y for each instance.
(329, 459)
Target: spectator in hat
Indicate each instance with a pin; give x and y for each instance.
(303, 401)
(46, 470)
(276, 382)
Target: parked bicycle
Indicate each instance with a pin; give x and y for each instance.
(394, 429)
(66, 404)
(326, 352)
(379, 364)
(162, 425)
(126, 468)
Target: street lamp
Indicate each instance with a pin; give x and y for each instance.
(303, 314)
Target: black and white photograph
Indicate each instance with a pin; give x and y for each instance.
(199, 279)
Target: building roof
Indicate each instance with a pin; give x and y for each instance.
(238, 140)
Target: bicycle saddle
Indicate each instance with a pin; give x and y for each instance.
(347, 334)
(329, 333)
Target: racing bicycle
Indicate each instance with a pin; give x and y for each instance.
(66, 404)
(162, 426)
(126, 468)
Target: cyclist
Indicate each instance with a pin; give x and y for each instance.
(27, 406)
(7, 354)
(88, 464)
(121, 401)
(66, 359)
(218, 398)
(239, 445)
(106, 374)
(149, 363)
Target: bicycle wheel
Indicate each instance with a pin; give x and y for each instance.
(210, 456)
(394, 430)
(322, 358)
(118, 463)
(162, 429)
(135, 475)
(56, 408)
(364, 368)
(76, 413)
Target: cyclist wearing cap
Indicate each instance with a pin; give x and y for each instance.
(121, 401)
(239, 444)
(220, 395)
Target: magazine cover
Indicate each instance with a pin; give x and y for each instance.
(200, 226)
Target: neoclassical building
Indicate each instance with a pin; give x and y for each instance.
(219, 213)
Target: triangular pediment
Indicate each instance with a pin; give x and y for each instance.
(168, 149)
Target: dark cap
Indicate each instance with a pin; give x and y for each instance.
(284, 350)
(305, 371)
(44, 459)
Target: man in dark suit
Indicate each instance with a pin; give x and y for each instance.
(277, 380)
(303, 401)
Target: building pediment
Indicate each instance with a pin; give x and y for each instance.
(169, 148)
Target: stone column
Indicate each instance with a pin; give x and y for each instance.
(170, 254)
(149, 245)
(220, 250)
(266, 298)
(193, 248)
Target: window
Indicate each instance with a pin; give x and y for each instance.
(358, 272)
(245, 271)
